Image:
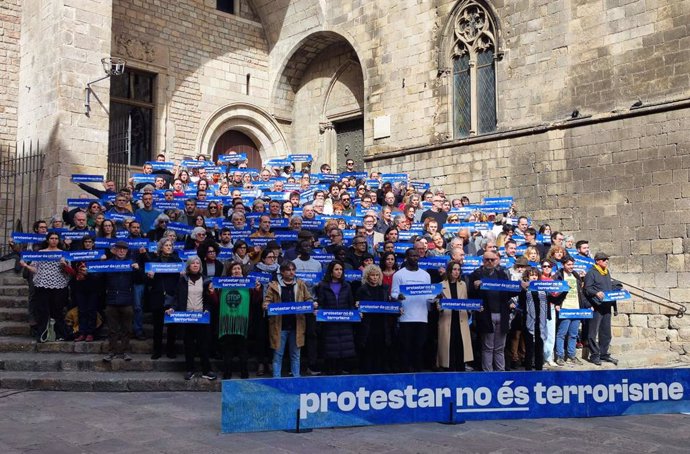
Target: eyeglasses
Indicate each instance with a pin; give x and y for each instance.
(546, 265)
(490, 260)
(211, 251)
(327, 169)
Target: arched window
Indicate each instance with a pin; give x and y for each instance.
(474, 70)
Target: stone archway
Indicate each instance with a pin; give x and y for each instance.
(249, 120)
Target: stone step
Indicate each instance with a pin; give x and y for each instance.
(14, 314)
(70, 362)
(105, 381)
(14, 329)
(647, 358)
(621, 345)
(14, 301)
(26, 343)
(11, 278)
(15, 290)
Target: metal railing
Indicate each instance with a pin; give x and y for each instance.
(680, 308)
(21, 175)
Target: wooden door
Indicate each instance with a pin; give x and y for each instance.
(239, 143)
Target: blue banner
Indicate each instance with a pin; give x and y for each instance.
(144, 178)
(164, 267)
(490, 200)
(81, 203)
(380, 307)
(394, 177)
(76, 234)
(312, 224)
(474, 260)
(290, 308)
(109, 266)
(118, 216)
(232, 157)
(179, 227)
(309, 277)
(83, 256)
(338, 315)
(616, 295)
(300, 157)
(274, 404)
(203, 318)
(263, 278)
(169, 205)
(352, 275)
(82, 178)
(549, 286)
(575, 313)
(277, 162)
(461, 304)
(285, 236)
(233, 282)
(104, 243)
(433, 263)
(47, 256)
(280, 223)
(161, 165)
(421, 289)
(501, 285)
(24, 238)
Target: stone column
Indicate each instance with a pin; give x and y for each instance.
(62, 43)
(329, 146)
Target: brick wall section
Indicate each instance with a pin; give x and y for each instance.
(10, 25)
(210, 54)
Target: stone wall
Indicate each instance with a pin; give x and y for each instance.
(201, 57)
(621, 183)
(10, 25)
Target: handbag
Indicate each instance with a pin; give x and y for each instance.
(48, 334)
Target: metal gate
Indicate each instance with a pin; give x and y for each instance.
(21, 174)
(119, 155)
(350, 140)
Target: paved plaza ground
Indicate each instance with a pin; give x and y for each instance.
(182, 422)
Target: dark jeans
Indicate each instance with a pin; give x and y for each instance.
(599, 333)
(231, 345)
(50, 303)
(534, 350)
(119, 327)
(412, 339)
(158, 316)
(311, 342)
(88, 311)
(196, 338)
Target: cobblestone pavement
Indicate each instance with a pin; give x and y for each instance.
(78, 422)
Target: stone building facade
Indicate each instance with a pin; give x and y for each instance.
(589, 126)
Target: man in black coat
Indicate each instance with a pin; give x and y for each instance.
(597, 281)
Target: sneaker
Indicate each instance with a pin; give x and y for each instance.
(575, 360)
(560, 362)
(188, 375)
(126, 357)
(594, 360)
(210, 375)
(156, 355)
(550, 364)
(610, 359)
(578, 345)
(89, 338)
(313, 372)
(260, 371)
(80, 338)
(109, 357)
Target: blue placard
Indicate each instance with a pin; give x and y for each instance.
(199, 318)
(490, 200)
(179, 227)
(468, 269)
(394, 177)
(300, 157)
(290, 308)
(500, 285)
(616, 295)
(380, 307)
(83, 178)
(232, 157)
(352, 275)
(419, 185)
(81, 203)
(323, 258)
(169, 204)
(24, 238)
(233, 282)
(461, 304)
(431, 397)
(144, 178)
(312, 224)
(137, 243)
(421, 289)
(118, 217)
(309, 276)
(109, 266)
(76, 234)
(164, 267)
(406, 235)
(46, 256)
(549, 286)
(433, 263)
(575, 313)
(338, 315)
(278, 163)
(473, 260)
(263, 278)
(104, 243)
(285, 236)
(194, 164)
(280, 223)
(161, 165)
(83, 256)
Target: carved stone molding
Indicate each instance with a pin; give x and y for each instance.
(135, 49)
(325, 126)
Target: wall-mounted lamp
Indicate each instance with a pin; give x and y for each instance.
(113, 66)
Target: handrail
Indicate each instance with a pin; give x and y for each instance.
(678, 307)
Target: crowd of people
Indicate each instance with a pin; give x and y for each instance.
(323, 238)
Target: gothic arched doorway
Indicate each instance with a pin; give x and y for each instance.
(239, 143)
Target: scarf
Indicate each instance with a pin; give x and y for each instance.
(267, 268)
(603, 272)
(234, 312)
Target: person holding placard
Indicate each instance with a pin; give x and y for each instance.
(162, 288)
(194, 294)
(597, 281)
(534, 329)
(454, 341)
(568, 300)
(334, 292)
(51, 288)
(287, 329)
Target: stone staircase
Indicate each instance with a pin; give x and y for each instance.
(70, 366)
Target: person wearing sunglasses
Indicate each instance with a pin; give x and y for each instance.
(550, 332)
(597, 281)
(493, 321)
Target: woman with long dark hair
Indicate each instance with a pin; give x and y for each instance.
(389, 266)
(334, 292)
(454, 341)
